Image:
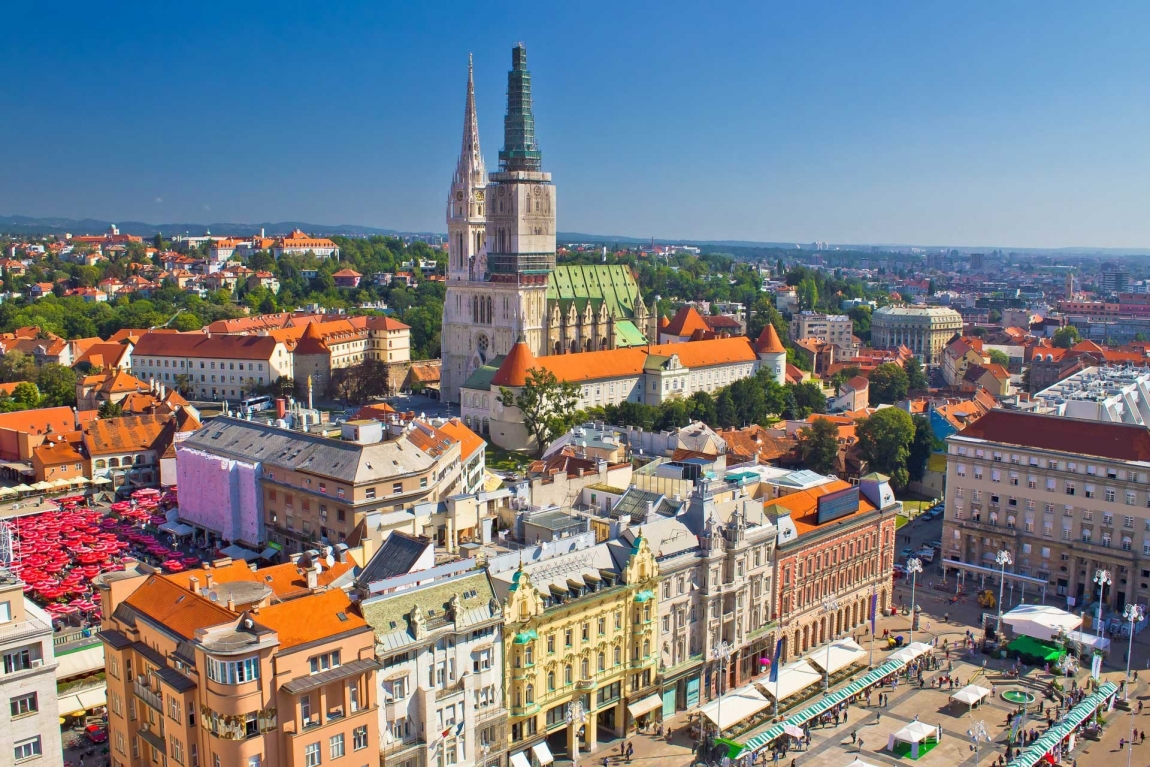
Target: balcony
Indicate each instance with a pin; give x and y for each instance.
(1112, 550)
(145, 693)
(402, 751)
(153, 737)
(449, 690)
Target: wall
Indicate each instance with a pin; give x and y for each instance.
(220, 495)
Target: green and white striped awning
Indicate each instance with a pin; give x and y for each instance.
(1034, 753)
(824, 704)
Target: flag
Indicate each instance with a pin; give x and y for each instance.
(873, 611)
(775, 661)
(458, 729)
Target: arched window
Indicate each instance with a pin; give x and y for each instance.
(550, 681)
(585, 669)
(139, 459)
(101, 464)
(602, 663)
(530, 694)
(114, 463)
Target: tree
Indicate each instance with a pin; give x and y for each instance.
(1066, 337)
(805, 398)
(673, 414)
(726, 415)
(819, 446)
(915, 376)
(844, 375)
(17, 366)
(861, 316)
(808, 292)
(999, 358)
(884, 440)
(58, 383)
(920, 448)
(702, 407)
(111, 410)
(26, 395)
(546, 404)
(888, 384)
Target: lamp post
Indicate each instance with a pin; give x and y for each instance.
(1133, 614)
(483, 750)
(977, 734)
(720, 652)
(829, 606)
(913, 568)
(1102, 578)
(1003, 559)
(576, 716)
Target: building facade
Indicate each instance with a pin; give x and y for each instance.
(502, 280)
(211, 367)
(923, 330)
(837, 329)
(830, 567)
(1066, 497)
(579, 645)
(29, 680)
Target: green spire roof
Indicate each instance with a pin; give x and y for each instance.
(519, 150)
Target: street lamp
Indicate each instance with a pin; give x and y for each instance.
(1102, 578)
(1003, 559)
(576, 716)
(829, 606)
(722, 653)
(977, 734)
(483, 750)
(1134, 614)
(913, 568)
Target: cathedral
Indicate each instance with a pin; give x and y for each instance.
(502, 281)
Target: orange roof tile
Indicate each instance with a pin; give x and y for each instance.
(513, 371)
(458, 431)
(312, 618)
(176, 608)
(803, 506)
(42, 421)
(769, 342)
(685, 322)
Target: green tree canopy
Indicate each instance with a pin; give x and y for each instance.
(888, 384)
(915, 375)
(920, 448)
(58, 383)
(1066, 337)
(884, 440)
(999, 358)
(819, 446)
(546, 404)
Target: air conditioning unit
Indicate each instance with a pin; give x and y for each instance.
(37, 662)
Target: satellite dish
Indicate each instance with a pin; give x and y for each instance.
(318, 568)
(329, 561)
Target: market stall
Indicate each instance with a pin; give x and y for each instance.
(841, 654)
(914, 740)
(1041, 621)
(734, 707)
(971, 695)
(793, 678)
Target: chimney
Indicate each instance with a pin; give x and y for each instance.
(194, 585)
(232, 603)
(207, 578)
(312, 578)
(341, 553)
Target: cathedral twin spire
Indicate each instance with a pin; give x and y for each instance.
(470, 171)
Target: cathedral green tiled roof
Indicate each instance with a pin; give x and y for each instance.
(481, 377)
(626, 334)
(612, 284)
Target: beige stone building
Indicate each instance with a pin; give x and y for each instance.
(925, 330)
(836, 329)
(31, 732)
(1065, 497)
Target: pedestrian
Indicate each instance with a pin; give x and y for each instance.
(623, 749)
(1142, 738)
(1139, 707)
(844, 717)
(854, 737)
(860, 744)
(606, 761)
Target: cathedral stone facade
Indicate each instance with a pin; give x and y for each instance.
(502, 280)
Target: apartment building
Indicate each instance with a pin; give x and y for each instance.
(440, 645)
(835, 329)
(235, 670)
(127, 450)
(1066, 497)
(580, 648)
(211, 367)
(260, 485)
(31, 733)
(320, 348)
(835, 551)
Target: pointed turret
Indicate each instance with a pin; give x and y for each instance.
(772, 354)
(465, 205)
(519, 149)
(513, 371)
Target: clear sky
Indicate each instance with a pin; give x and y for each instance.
(1006, 123)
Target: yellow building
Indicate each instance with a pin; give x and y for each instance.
(579, 647)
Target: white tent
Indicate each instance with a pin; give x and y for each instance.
(860, 763)
(735, 706)
(910, 652)
(842, 653)
(914, 734)
(971, 695)
(1089, 641)
(794, 677)
(1040, 621)
(239, 552)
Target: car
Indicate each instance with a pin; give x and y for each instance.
(898, 571)
(934, 544)
(907, 552)
(96, 733)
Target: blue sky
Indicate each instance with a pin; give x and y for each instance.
(1013, 123)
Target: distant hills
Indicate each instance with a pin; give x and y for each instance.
(49, 225)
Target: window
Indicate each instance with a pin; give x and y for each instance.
(359, 738)
(27, 749)
(234, 672)
(336, 746)
(311, 755)
(324, 662)
(25, 704)
(1070, 488)
(17, 660)
(397, 488)
(370, 493)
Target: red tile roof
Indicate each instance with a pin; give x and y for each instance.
(1123, 442)
(685, 322)
(202, 345)
(769, 342)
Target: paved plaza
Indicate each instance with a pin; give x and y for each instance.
(832, 746)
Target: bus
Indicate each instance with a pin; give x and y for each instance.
(256, 404)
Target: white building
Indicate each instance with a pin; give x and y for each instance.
(836, 329)
(213, 366)
(1115, 394)
(32, 730)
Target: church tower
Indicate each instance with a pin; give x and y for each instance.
(501, 247)
(465, 219)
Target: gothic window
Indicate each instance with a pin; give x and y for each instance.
(481, 347)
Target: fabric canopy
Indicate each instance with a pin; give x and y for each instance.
(79, 663)
(860, 763)
(542, 753)
(910, 652)
(177, 528)
(794, 677)
(646, 705)
(1092, 641)
(239, 552)
(1037, 751)
(842, 653)
(916, 732)
(734, 707)
(520, 760)
(1040, 621)
(970, 694)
